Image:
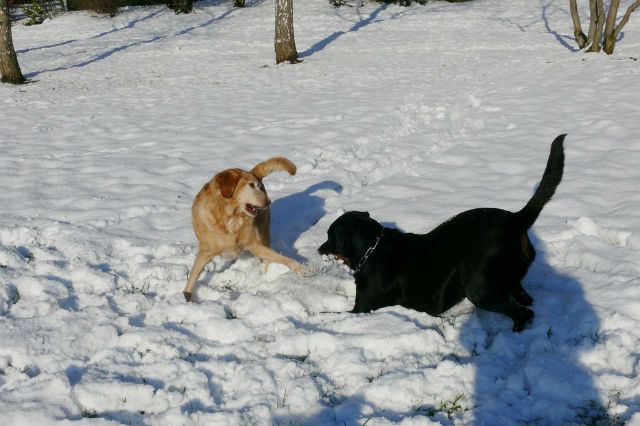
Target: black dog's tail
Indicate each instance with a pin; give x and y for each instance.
(550, 180)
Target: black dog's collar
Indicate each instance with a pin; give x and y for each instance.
(370, 250)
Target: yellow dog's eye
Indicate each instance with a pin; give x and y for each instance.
(253, 185)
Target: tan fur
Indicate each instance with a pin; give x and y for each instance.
(274, 164)
(223, 223)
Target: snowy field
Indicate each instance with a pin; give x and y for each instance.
(413, 114)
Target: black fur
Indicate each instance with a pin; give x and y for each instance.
(481, 254)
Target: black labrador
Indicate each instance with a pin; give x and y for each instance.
(481, 254)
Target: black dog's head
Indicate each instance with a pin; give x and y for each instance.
(349, 237)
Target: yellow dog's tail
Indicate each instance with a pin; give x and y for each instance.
(275, 164)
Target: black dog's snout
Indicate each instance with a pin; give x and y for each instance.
(325, 248)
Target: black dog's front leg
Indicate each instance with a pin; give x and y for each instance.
(358, 306)
(363, 299)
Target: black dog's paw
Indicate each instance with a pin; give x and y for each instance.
(525, 318)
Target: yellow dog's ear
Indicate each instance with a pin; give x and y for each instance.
(227, 181)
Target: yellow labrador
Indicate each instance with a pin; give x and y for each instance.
(231, 214)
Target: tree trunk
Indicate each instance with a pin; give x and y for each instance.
(609, 29)
(595, 47)
(285, 43)
(9, 68)
(593, 20)
(597, 22)
(581, 39)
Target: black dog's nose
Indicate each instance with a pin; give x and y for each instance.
(324, 248)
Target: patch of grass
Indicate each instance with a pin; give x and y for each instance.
(615, 394)
(90, 414)
(141, 354)
(451, 407)
(382, 372)
(283, 402)
(330, 398)
(454, 405)
(138, 287)
(593, 413)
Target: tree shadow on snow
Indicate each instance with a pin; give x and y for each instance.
(134, 44)
(49, 46)
(562, 39)
(131, 24)
(295, 214)
(535, 376)
(362, 22)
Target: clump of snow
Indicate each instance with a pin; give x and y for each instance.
(413, 114)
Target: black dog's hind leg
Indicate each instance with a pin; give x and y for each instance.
(500, 299)
(521, 295)
(494, 288)
(520, 315)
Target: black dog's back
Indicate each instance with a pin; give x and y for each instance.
(428, 272)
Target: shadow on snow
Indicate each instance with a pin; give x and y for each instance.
(295, 214)
(528, 369)
(362, 22)
(130, 25)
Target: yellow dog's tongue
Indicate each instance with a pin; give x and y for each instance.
(253, 210)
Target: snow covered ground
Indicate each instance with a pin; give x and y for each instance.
(413, 114)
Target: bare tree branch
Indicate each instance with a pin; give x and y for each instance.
(609, 41)
(611, 18)
(625, 18)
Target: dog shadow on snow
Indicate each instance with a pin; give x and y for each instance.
(295, 214)
(531, 377)
(536, 375)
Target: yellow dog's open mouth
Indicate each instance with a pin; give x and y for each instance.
(252, 210)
